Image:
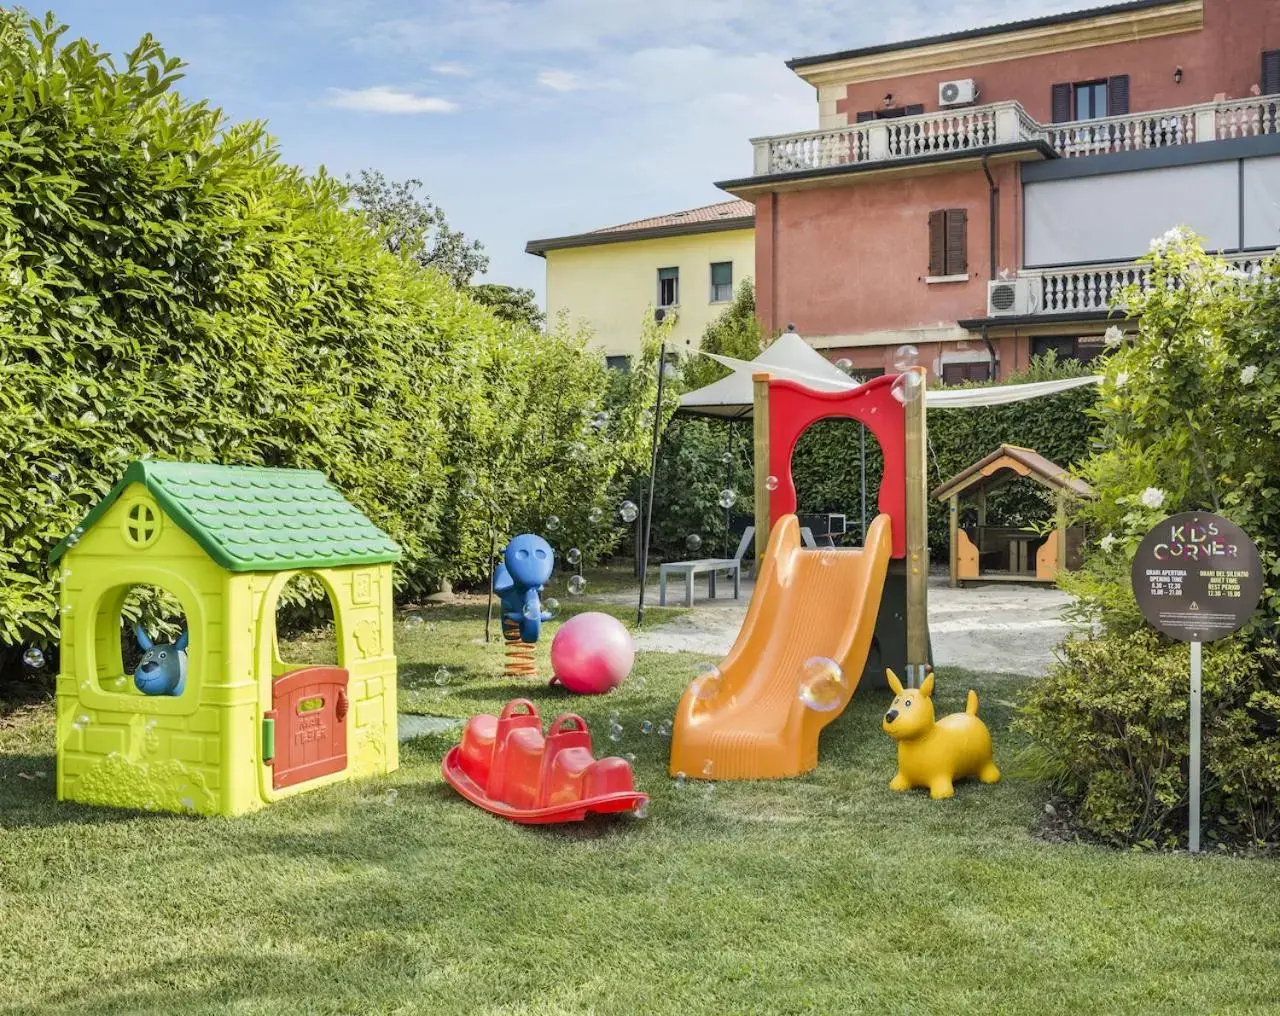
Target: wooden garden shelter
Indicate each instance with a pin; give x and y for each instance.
(1009, 554)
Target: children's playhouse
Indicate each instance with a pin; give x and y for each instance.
(246, 728)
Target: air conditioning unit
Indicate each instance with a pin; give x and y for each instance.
(958, 93)
(666, 315)
(1011, 298)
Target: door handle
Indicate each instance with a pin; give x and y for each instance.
(341, 709)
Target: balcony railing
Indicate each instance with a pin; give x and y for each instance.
(1098, 287)
(975, 128)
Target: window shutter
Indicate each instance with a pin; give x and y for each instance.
(937, 243)
(1062, 103)
(1271, 72)
(865, 115)
(957, 257)
(1118, 95)
(915, 110)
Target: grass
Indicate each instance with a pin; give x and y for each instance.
(826, 894)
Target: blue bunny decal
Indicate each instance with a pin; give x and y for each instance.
(163, 667)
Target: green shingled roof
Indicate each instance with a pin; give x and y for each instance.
(255, 519)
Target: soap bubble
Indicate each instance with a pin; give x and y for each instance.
(150, 725)
(574, 555)
(706, 686)
(646, 726)
(630, 757)
(595, 515)
(770, 483)
(905, 357)
(642, 810)
(391, 797)
(906, 388)
(844, 364)
(552, 606)
(600, 420)
(615, 732)
(413, 621)
(708, 789)
(664, 728)
(531, 612)
(80, 722)
(613, 716)
(119, 683)
(188, 804)
(552, 524)
(822, 685)
(442, 676)
(728, 498)
(707, 767)
(628, 512)
(637, 684)
(577, 449)
(693, 541)
(727, 458)
(680, 781)
(33, 658)
(577, 584)
(669, 371)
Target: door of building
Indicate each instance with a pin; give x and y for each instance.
(310, 710)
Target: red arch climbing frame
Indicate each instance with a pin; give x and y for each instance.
(793, 408)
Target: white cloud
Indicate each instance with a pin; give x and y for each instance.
(560, 81)
(452, 69)
(382, 99)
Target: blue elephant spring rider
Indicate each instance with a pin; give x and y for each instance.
(518, 580)
(163, 667)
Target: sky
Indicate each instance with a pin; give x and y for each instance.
(523, 118)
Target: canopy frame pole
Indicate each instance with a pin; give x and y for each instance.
(653, 475)
(917, 523)
(760, 424)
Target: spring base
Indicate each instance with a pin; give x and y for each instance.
(520, 654)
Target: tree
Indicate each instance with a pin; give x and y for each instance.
(412, 224)
(736, 332)
(510, 303)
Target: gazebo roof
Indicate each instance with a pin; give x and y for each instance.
(1024, 462)
(249, 518)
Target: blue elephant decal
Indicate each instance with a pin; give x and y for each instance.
(163, 667)
(518, 580)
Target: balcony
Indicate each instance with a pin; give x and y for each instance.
(1096, 288)
(972, 130)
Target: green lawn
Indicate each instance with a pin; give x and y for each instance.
(821, 895)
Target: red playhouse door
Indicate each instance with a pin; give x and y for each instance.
(310, 708)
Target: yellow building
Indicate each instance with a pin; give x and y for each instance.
(682, 267)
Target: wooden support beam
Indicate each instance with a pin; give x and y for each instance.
(760, 398)
(953, 514)
(1062, 533)
(917, 532)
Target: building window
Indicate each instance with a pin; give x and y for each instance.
(1068, 347)
(865, 374)
(973, 370)
(722, 282)
(1090, 100)
(622, 363)
(1270, 72)
(892, 113)
(668, 287)
(948, 242)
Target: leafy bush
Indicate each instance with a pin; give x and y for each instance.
(1187, 422)
(1111, 720)
(169, 287)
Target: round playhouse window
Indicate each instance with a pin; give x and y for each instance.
(141, 523)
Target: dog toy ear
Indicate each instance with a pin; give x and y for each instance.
(144, 640)
(894, 683)
(184, 640)
(926, 689)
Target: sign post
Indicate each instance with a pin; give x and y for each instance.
(1197, 577)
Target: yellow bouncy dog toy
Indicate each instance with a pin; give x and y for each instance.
(935, 754)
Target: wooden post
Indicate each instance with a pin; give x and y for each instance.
(982, 508)
(917, 533)
(760, 408)
(1062, 532)
(954, 527)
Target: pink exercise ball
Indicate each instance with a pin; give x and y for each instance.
(592, 653)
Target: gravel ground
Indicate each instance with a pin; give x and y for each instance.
(993, 628)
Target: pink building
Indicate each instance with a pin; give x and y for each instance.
(984, 194)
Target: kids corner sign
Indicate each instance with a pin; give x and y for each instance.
(1197, 577)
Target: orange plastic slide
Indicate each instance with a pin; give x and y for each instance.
(807, 603)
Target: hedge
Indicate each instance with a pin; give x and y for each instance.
(170, 287)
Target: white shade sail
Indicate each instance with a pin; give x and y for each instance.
(732, 396)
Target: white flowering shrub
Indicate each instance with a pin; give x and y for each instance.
(1189, 418)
